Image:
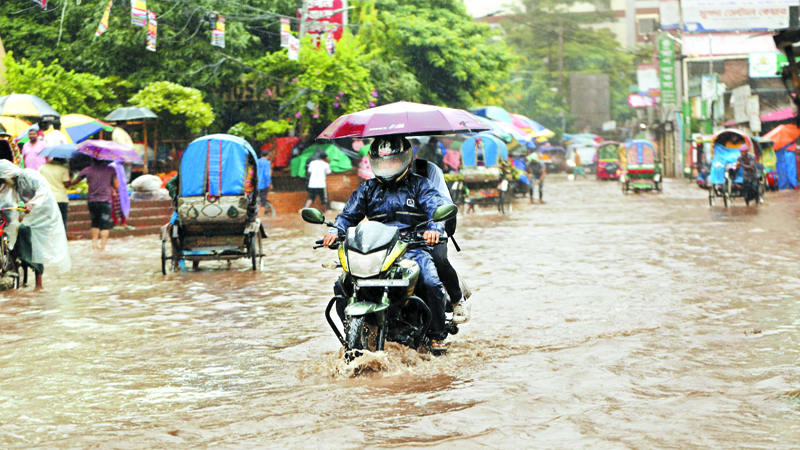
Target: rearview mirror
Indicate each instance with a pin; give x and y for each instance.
(312, 215)
(445, 212)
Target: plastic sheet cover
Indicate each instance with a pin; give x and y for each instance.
(223, 157)
(48, 237)
(722, 157)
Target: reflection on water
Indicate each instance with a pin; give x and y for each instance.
(600, 320)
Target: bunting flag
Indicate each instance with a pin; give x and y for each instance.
(218, 35)
(294, 48)
(285, 32)
(139, 13)
(152, 30)
(103, 27)
(41, 3)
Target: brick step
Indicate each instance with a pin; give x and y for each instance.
(80, 216)
(82, 225)
(143, 231)
(81, 206)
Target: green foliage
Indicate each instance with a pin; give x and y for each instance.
(180, 108)
(261, 132)
(66, 91)
(319, 87)
(439, 44)
(536, 91)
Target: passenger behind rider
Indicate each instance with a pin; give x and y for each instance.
(448, 275)
(398, 197)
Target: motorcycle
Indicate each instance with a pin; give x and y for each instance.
(379, 284)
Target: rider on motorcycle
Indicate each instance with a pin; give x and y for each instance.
(398, 197)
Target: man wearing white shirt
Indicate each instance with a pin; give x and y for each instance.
(55, 136)
(318, 170)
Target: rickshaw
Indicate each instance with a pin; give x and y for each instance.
(701, 158)
(554, 158)
(642, 170)
(766, 148)
(724, 180)
(215, 205)
(610, 155)
(482, 179)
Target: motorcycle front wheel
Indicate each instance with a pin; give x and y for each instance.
(364, 334)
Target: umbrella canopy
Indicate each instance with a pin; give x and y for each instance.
(65, 151)
(25, 105)
(493, 150)
(783, 135)
(495, 129)
(338, 159)
(131, 113)
(79, 127)
(536, 128)
(405, 118)
(108, 151)
(521, 136)
(493, 112)
(13, 125)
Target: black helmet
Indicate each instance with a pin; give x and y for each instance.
(390, 158)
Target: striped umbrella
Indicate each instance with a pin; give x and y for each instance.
(25, 105)
(13, 125)
(77, 127)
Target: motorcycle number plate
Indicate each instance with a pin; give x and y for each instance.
(382, 283)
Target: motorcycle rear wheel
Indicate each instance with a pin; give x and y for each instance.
(363, 334)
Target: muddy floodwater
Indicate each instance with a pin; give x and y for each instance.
(600, 321)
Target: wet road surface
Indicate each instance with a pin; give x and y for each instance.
(599, 321)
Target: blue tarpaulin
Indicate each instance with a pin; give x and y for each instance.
(492, 147)
(722, 157)
(786, 168)
(519, 163)
(221, 159)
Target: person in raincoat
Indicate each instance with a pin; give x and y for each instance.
(40, 239)
(120, 200)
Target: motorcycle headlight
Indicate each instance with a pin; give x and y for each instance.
(366, 265)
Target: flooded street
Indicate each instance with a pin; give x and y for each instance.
(599, 321)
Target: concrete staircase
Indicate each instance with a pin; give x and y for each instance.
(146, 216)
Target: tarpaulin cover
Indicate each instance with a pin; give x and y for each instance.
(223, 157)
(492, 147)
(783, 135)
(339, 161)
(768, 159)
(519, 163)
(786, 167)
(282, 147)
(722, 157)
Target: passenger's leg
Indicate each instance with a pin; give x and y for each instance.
(541, 188)
(433, 290)
(447, 274)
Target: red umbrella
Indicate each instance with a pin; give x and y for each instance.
(403, 118)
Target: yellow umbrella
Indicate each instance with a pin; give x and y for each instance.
(13, 125)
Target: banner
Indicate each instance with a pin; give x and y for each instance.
(104, 21)
(330, 43)
(719, 44)
(767, 65)
(640, 101)
(294, 48)
(152, 31)
(41, 3)
(708, 87)
(285, 32)
(218, 35)
(670, 13)
(139, 13)
(666, 67)
(754, 113)
(739, 98)
(736, 15)
(321, 17)
(647, 75)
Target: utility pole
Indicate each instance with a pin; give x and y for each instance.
(303, 19)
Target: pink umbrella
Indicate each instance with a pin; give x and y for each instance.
(403, 118)
(108, 151)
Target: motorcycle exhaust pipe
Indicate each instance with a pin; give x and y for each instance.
(330, 306)
(427, 320)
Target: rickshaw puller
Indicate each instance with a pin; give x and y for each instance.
(749, 174)
(397, 197)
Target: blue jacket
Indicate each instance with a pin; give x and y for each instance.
(264, 178)
(402, 206)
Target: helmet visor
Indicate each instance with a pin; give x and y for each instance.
(390, 166)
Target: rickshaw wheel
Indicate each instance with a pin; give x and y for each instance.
(712, 200)
(176, 254)
(625, 188)
(255, 249)
(726, 198)
(163, 257)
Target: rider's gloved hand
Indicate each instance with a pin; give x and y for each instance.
(431, 237)
(329, 239)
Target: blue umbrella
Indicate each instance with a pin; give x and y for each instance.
(59, 151)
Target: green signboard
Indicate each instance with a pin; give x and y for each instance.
(666, 69)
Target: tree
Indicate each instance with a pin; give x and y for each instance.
(181, 110)
(534, 33)
(66, 91)
(450, 56)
